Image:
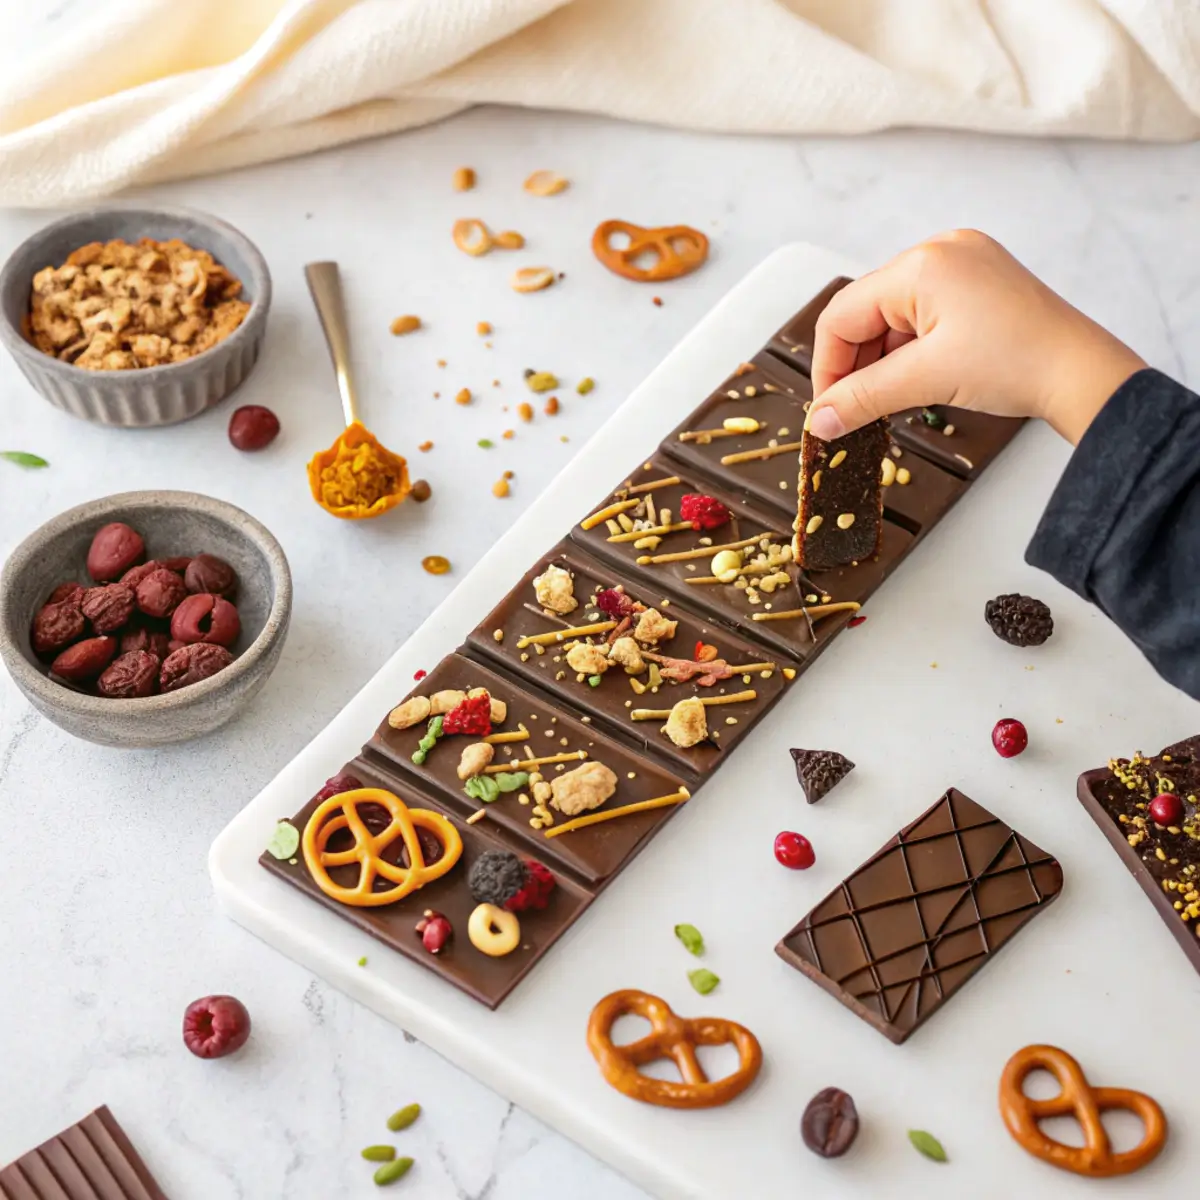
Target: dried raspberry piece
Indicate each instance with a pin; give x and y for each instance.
(614, 603)
(539, 883)
(472, 716)
(419, 675)
(704, 512)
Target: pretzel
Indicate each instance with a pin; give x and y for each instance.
(1021, 1114)
(679, 249)
(341, 812)
(672, 1037)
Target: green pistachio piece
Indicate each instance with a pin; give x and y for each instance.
(380, 1154)
(927, 1144)
(404, 1117)
(690, 936)
(285, 841)
(483, 788)
(511, 781)
(392, 1171)
(703, 980)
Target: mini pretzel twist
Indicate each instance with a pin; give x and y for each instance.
(1021, 1114)
(672, 1037)
(341, 812)
(679, 249)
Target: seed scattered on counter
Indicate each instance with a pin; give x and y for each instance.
(362, 962)
(509, 239)
(425, 447)
(379, 1154)
(421, 491)
(495, 383)
(435, 564)
(509, 434)
(463, 396)
(541, 381)
(551, 406)
(500, 489)
(585, 385)
(22, 458)
(525, 411)
(405, 324)
(483, 329)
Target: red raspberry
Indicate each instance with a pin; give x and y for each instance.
(614, 603)
(1166, 809)
(539, 883)
(472, 717)
(1009, 737)
(794, 850)
(704, 512)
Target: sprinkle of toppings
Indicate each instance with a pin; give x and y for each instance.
(500, 489)
(551, 406)
(531, 279)
(545, 183)
(425, 447)
(483, 328)
(471, 716)
(703, 980)
(435, 564)
(463, 179)
(692, 939)
(485, 443)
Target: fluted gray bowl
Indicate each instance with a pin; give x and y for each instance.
(172, 523)
(151, 395)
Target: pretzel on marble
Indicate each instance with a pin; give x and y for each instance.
(672, 1037)
(679, 250)
(1077, 1098)
(341, 812)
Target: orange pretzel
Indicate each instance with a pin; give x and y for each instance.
(341, 812)
(679, 249)
(671, 1037)
(1021, 1114)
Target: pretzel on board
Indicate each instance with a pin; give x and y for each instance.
(341, 812)
(679, 250)
(672, 1037)
(1077, 1098)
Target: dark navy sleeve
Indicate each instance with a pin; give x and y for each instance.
(1123, 526)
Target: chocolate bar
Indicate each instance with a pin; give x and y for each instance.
(919, 494)
(655, 659)
(795, 342)
(840, 515)
(904, 932)
(92, 1160)
(1164, 859)
(962, 441)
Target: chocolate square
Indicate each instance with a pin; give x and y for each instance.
(928, 495)
(612, 700)
(1121, 813)
(976, 440)
(92, 1160)
(594, 853)
(763, 390)
(486, 979)
(796, 340)
(897, 938)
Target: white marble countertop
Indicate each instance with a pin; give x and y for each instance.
(109, 923)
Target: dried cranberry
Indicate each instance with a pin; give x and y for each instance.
(109, 607)
(434, 930)
(150, 640)
(84, 660)
(114, 549)
(135, 575)
(57, 626)
(704, 512)
(160, 593)
(129, 676)
(794, 850)
(206, 618)
(207, 573)
(472, 716)
(66, 591)
(336, 785)
(614, 603)
(1166, 809)
(1009, 737)
(191, 664)
(253, 427)
(215, 1026)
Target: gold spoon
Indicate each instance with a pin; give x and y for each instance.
(356, 477)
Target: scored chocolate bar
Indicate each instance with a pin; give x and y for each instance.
(904, 932)
(962, 441)
(794, 343)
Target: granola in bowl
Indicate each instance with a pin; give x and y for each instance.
(118, 306)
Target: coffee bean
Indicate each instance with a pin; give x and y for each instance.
(830, 1123)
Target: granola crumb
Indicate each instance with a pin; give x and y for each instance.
(425, 447)
(658, 302)
(405, 324)
(463, 397)
(464, 179)
(441, 362)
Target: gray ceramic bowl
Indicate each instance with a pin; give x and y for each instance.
(152, 395)
(172, 523)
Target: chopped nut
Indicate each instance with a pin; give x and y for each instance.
(412, 712)
(837, 459)
(887, 472)
(555, 590)
(741, 425)
(626, 652)
(551, 406)
(425, 447)
(474, 758)
(541, 381)
(726, 565)
(483, 329)
(497, 635)
(653, 627)
(903, 476)
(464, 179)
(845, 520)
(472, 236)
(531, 279)
(587, 659)
(525, 410)
(403, 325)
(586, 787)
(687, 724)
(545, 183)
(463, 397)
(585, 385)
(816, 482)
(500, 489)
(814, 524)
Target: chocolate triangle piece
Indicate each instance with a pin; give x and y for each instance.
(819, 771)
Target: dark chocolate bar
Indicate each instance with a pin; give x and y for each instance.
(904, 932)
(840, 519)
(962, 441)
(919, 494)
(92, 1160)
(1165, 860)
(796, 340)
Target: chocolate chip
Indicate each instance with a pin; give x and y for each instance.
(830, 1123)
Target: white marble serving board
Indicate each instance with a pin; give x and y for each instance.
(911, 696)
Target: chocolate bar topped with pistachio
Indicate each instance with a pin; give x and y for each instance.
(840, 517)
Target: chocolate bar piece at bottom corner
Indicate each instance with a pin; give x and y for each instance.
(898, 937)
(92, 1160)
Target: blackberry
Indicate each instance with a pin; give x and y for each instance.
(1019, 620)
(819, 771)
(496, 876)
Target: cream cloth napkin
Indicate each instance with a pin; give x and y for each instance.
(138, 90)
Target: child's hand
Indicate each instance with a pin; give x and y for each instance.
(957, 320)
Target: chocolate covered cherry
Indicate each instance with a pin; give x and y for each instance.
(215, 1026)
(795, 851)
(1009, 737)
(206, 618)
(1166, 809)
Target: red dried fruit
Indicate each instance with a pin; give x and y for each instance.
(84, 660)
(135, 575)
(108, 608)
(1009, 737)
(206, 618)
(160, 593)
(614, 603)
(706, 652)
(57, 625)
(178, 564)
(854, 622)
(539, 884)
(335, 785)
(794, 850)
(1166, 809)
(191, 664)
(472, 716)
(253, 427)
(434, 930)
(66, 591)
(419, 675)
(215, 1026)
(704, 512)
(131, 675)
(208, 573)
(152, 641)
(114, 549)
